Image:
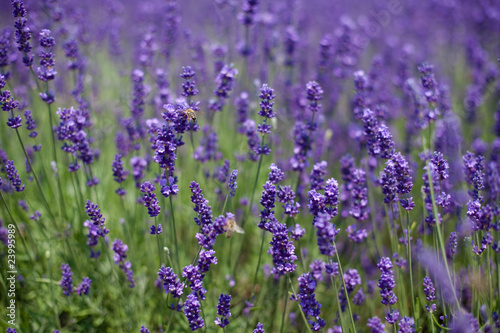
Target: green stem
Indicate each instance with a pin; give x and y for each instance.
(345, 289)
(258, 263)
(51, 287)
(336, 295)
(36, 180)
(284, 309)
(175, 235)
(440, 236)
(254, 188)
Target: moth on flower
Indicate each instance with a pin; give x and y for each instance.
(231, 227)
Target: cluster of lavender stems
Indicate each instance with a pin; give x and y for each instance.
(381, 208)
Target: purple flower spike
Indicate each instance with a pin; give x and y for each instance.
(13, 176)
(84, 286)
(192, 311)
(386, 283)
(150, 200)
(67, 280)
(223, 310)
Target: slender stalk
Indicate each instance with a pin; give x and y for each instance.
(175, 235)
(258, 263)
(284, 309)
(51, 287)
(36, 180)
(254, 188)
(345, 289)
(336, 295)
(440, 236)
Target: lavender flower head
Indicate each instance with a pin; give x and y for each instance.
(119, 257)
(119, 173)
(233, 185)
(266, 109)
(282, 250)
(13, 176)
(386, 283)
(259, 328)
(46, 71)
(223, 310)
(171, 283)
(375, 325)
(192, 311)
(23, 33)
(150, 200)
(67, 280)
(310, 306)
(84, 286)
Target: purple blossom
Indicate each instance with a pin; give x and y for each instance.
(355, 234)
(406, 325)
(282, 250)
(119, 173)
(259, 328)
(14, 122)
(13, 176)
(474, 173)
(223, 172)
(430, 295)
(192, 311)
(67, 280)
(359, 297)
(30, 124)
(46, 71)
(316, 177)
(297, 233)
(359, 196)
(392, 317)
(332, 268)
(310, 306)
(139, 93)
(268, 199)
(375, 325)
(206, 258)
(188, 87)
(208, 148)
(95, 226)
(386, 283)
(223, 310)
(154, 230)
(144, 330)
(150, 200)
(233, 185)
(23, 33)
(326, 233)
(247, 14)
(84, 286)
(171, 283)
(169, 186)
(242, 104)
(119, 257)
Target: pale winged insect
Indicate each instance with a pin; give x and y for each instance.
(231, 227)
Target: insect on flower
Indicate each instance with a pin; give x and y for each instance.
(190, 114)
(231, 227)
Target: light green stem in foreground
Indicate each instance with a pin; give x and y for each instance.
(175, 235)
(345, 289)
(438, 228)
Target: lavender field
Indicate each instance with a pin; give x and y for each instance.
(250, 166)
